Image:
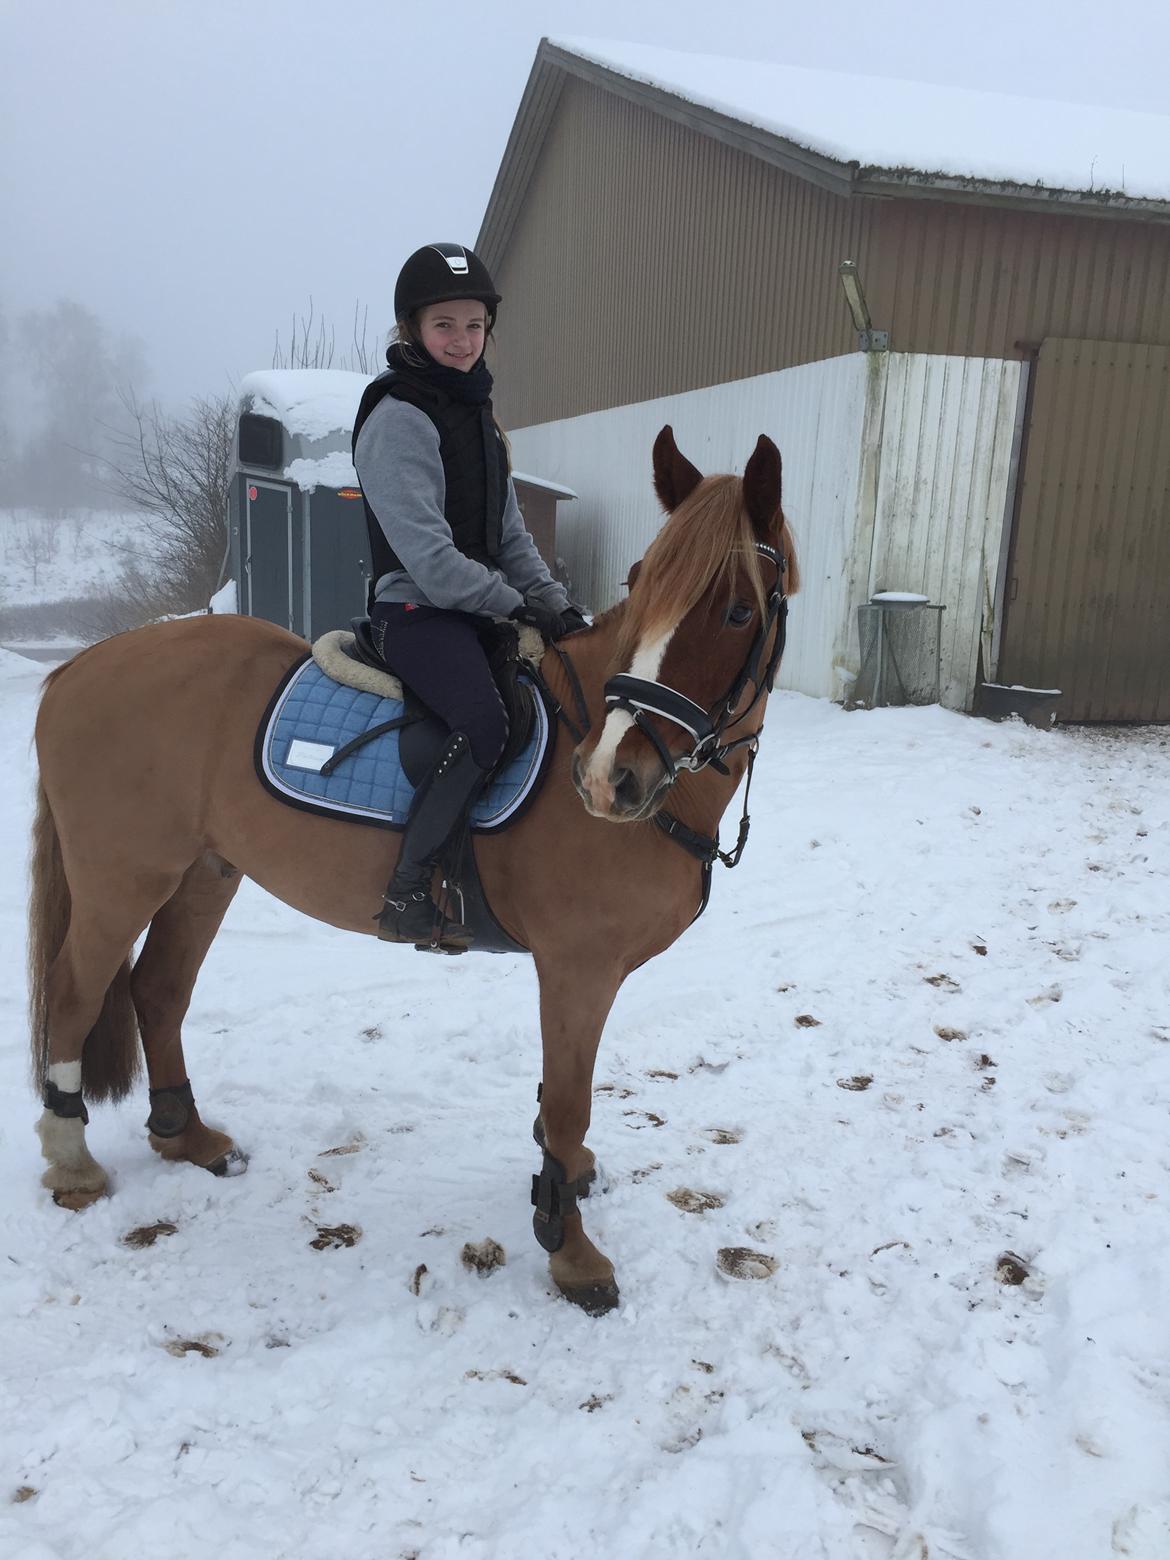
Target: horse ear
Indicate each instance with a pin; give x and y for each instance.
(761, 485)
(635, 569)
(675, 479)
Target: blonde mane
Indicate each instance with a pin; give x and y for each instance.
(699, 549)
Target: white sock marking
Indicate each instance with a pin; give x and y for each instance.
(66, 1076)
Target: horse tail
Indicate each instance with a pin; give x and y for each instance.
(111, 1057)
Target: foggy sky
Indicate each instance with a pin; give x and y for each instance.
(194, 170)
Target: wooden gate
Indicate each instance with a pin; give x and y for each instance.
(1087, 605)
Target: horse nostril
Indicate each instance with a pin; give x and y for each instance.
(627, 793)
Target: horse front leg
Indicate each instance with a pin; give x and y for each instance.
(574, 1004)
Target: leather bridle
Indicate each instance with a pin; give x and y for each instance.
(642, 697)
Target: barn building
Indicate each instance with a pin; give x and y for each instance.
(983, 417)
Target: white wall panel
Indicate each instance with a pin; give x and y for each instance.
(814, 414)
(896, 475)
(942, 495)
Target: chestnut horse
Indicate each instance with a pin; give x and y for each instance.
(150, 812)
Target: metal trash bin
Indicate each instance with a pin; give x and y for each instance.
(900, 634)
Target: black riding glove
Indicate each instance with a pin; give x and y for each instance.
(547, 619)
(572, 622)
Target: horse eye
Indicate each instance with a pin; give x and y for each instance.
(739, 614)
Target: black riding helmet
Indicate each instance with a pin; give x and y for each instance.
(438, 272)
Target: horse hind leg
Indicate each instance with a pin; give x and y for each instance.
(84, 1032)
(180, 935)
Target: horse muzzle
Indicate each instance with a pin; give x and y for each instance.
(620, 794)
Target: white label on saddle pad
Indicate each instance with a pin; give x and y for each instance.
(308, 755)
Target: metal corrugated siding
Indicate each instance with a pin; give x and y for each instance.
(815, 415)
(942, 495)
(977, 280)
(1090, 566)
(648, 258)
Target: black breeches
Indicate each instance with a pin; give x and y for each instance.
(439, 654)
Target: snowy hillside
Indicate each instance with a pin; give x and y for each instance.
(916, 1055)
(46, 559)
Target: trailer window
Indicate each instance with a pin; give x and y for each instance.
(261, 441)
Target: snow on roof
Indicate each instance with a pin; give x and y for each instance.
(548, 487)
(887, 124)
(329, 471)
(311, 402)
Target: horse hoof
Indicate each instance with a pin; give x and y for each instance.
(594, 1299)
(79, 1198)
(234, 1162)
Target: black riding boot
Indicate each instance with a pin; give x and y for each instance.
(408, 914)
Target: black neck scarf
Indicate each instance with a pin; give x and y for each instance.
(473, 386)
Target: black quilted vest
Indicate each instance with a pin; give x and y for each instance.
(475, 469)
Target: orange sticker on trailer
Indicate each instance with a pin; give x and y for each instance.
(349, 492)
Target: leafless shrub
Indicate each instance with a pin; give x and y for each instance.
(313, 344)
(177, 469)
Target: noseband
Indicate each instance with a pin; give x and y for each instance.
(641, 697)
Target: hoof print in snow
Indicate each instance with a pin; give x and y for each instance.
(333, 1237)
(982, 1061)
(372, 1032)
(857, 1083)
(1053, 994)
(694, 1202)
(701, 1064)
(649, 1119)
(980, 949)
(592, 1403)
(354, 1146)
(945, 1032)
(806, 1021)
(942, 982)
(723, 1135)
(661, 1072)
(208, 1346)
(147, 1234)
(1059, 906)
(484, 1257)
(495, 1375)
(743, 1262)
(420, 1273)
(641, 1174)
(322, 1181)
(1011, 1269)
(25, 1492)
(618, 1091)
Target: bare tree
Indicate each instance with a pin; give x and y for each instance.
(35, 544)
(313, 344)
(178, 469)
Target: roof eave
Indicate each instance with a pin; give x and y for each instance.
(542, 93)
(957, 188)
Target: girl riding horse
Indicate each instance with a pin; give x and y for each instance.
(449, 545)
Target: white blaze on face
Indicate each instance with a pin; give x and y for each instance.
(598, 776)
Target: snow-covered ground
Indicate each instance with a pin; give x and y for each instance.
(925, 1024)
(43, 558)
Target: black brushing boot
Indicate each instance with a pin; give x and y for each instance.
(408, 914)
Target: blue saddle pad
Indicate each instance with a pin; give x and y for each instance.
(311, 717)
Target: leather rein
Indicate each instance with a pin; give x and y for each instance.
(642, 698)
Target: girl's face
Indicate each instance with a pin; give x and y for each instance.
(454, 332)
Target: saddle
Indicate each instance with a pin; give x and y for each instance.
(353, 659)
(344, 737)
